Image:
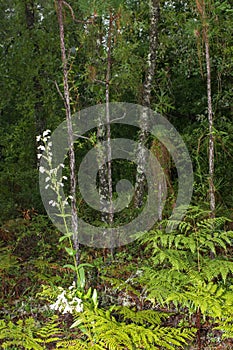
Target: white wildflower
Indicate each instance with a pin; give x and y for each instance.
(65, 305)
(41, 169)
(65, 177)
(47, 179)
(53, 306)
(39, 155)
(67, 309)
(72, 286)
(41, 147)
(78, 304)
(38, 138)
(46, 132)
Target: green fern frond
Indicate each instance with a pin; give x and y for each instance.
(213, 268)
(20, 334)
(227, 329)
(48, 293)
(209, 298)
(137, 329)
(141, 317)
(48, 333)
(77, 344)
(27, 335)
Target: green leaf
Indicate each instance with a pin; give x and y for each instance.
(95, 298)
(70, 251)
(69, 266)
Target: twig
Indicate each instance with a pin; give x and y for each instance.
(59, 91)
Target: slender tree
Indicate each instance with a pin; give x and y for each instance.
(151, 61)
(66, 99)
(106, 189)
(109, 150)
(201, 7)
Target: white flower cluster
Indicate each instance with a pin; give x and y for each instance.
(67, 302)
(52, 178)
(43, 139)
(45, 136)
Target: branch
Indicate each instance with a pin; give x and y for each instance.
(59, 91)
(73, 15)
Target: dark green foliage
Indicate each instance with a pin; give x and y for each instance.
(184, 273)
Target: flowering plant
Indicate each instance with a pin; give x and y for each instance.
(67, 300)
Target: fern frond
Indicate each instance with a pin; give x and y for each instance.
(209, 298)
(137, 330)
(19, 334)
(77, 344)
(212, 268)
(27, 335)
(48, 333)
(141, 317)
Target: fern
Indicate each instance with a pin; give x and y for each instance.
(142, 317)
(206, 297)
(226, 326)
(226, 323)
(20, 334)
(27, 335)
(122, 328)
(77, 344)
(182, 270)
(48, 333)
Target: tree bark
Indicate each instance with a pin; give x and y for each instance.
(202, 12)
(109, 149)
(105, 173)
(103, 176)
(70, 131)
(151, 61)
(210, 119)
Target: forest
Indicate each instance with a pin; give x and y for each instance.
(116, 197)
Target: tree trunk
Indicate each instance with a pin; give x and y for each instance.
(103, 176)
(210, 119)
(109, 149)
(70, 131)
(202, 12)
(151, 60)
(105, 172)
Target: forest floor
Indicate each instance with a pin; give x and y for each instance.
(30, 257)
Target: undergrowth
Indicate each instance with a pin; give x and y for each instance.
(161, 293)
